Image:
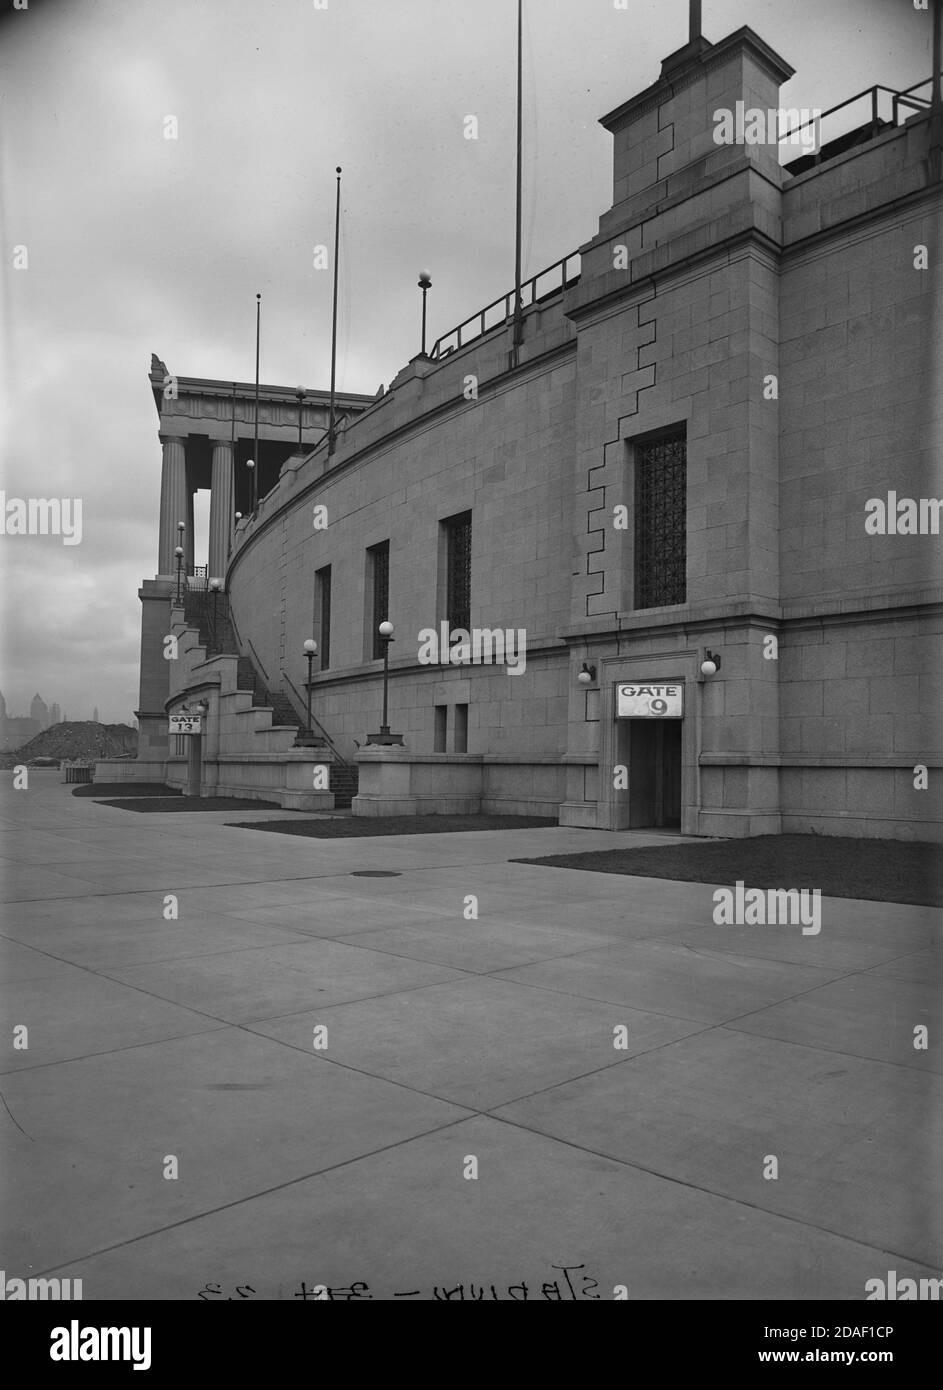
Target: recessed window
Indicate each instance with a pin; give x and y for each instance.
(661, 531)
(378, 575)
(461, 728)
(458, 570)
(323, 609)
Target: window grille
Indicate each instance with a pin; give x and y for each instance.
(458, 581)
(380, 556)
(661, 521)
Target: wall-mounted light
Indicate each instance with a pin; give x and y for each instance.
(587, 674)
(710, 665)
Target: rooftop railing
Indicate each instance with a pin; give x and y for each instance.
(544, 285)
(876, 106)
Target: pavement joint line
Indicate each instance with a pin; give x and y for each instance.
(816, 1047)
(365, 999)
(114, 1051)
(837, 979)
(711, 1192)
(227, 1022)
(241, 883)
(473, 1110)
(681, 1018)
(139, 989)
(467, 970)
(619, 1062)
(197, 955)
(262, 1192)
(513, 1124)
(837, 1052)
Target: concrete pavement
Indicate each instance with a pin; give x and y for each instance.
(589, 1074)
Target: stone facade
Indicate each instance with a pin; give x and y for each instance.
(781, 322)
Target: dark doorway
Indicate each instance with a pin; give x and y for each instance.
(655, 774)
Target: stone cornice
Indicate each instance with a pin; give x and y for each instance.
(678, 73)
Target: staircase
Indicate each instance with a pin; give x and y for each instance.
(344, 783)
(211, 618)
(218, 636)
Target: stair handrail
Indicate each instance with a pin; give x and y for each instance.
(315, 720)
(299, 701)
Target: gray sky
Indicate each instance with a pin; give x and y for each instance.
(139, 244)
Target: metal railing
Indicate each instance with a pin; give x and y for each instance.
(544, 285)
(882, 112)
(301, 707)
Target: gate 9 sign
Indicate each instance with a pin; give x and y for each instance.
(640, 701)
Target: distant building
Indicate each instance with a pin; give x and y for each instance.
(39, 711)
(55, 714)
(95, 718)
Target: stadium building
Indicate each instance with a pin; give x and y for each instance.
(631, 547)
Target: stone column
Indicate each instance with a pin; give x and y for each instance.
(190, 539)
(221, 507)
(173, 499)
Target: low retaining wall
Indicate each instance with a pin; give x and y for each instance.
(397, 782)
(130, 770)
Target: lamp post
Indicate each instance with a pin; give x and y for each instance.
(386, 637)
(384, 736)
(250, 464)
(300, 394)
(178, 553)
(310, 650)
(425, 284)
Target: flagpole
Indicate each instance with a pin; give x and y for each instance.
(935, 148)
(232, 470)
(518, 334)
(255, 455)
(331, 440)
(694, 18)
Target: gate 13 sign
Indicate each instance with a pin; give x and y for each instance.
(185, 724)
(639, 701)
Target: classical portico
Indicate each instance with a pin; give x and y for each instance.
(207, 433)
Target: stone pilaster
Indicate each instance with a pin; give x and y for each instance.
(173, 499)
(221, 507)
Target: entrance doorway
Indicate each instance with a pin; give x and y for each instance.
(654, 774)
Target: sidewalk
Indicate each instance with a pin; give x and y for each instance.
(450, 1042)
